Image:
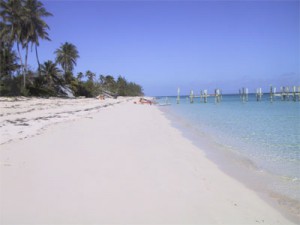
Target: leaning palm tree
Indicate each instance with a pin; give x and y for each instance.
(51, 73)
(66, 56)
(36, 27)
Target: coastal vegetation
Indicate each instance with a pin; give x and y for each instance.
(22, 26)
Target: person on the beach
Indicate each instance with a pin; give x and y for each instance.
(144, 101)
(102, 97)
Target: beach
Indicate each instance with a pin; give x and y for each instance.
(91, 161)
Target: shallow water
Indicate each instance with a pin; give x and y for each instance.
(265, 135)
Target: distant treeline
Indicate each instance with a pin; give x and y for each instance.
(22, 26)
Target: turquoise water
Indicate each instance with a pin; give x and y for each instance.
(266, 134)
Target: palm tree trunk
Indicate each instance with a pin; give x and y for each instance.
(22, 65)
(37, 58)
(25, 66)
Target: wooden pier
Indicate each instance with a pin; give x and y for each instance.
(203, 96)
(286, 94)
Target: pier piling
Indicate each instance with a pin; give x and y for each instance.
(272, 93)
(205, 95)
(217, 96)
(244, 94)
(178, 96)
(259, 94)
(192, 97)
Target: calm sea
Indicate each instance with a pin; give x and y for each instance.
(261, 136)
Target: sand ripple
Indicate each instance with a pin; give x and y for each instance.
(22, 117)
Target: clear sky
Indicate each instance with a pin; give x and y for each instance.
(163, 45)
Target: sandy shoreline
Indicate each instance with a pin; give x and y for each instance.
(121, 164)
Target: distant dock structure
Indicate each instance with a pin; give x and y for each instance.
(286, 93)
(204, 95)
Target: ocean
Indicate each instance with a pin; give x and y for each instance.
(257, 141)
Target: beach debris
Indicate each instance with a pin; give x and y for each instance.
(65, 91)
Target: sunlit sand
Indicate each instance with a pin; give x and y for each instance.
(123, 164)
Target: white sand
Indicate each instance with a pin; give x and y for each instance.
(22, 117)
(122, 164)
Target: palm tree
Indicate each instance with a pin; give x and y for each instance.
(35, 26)
(66, 56)
(23, 25)
(90, 75)
(101, 79)
(11, 14)
(79, 76)
(51, 72)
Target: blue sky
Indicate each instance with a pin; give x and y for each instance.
(195, 45)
